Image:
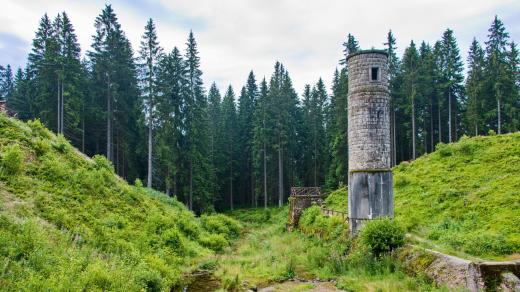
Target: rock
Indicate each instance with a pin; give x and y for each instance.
(510, 282)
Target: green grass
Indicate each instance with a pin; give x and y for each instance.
(69, 223)
(463, 199)
(268, 255)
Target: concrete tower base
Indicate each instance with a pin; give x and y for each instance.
(370, 196)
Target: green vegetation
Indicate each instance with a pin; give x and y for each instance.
(338, 200)
(462, 199)
(381, 236)
(69, 223)
(268, 255)
(464, 196)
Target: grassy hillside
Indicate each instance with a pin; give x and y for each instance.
(464, 197)
(69, 223)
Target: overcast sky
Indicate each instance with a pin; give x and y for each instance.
(236, 36)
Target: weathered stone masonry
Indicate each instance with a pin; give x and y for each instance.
(370, 178)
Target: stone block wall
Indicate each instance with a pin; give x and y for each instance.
(368, 113)
(370, 192)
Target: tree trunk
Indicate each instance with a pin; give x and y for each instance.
(150, 126)
(499, 117)
(231, 186)
(315, 162)
(150, 155)
(265, 177)
(62, 105)
(280, 177)
(449, 117)
(109, 122)
(83, 128)
(58, 127)
(394, 139)
(191, 186)
(413, 125)
(253, 197)
(439, 120)
(432, 142)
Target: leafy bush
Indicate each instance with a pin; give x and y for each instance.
(444, 150)
(216, 242)
(101, 162)
(381, 236)
(41, 146)
(173, 239)
(138, 183)
(12, 158)
(221, 224)
(489, 244)
(313, 222)
(61, 144)
(338, 200)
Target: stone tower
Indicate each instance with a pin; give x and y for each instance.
(370, 193)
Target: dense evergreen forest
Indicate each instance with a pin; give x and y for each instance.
(151, 115)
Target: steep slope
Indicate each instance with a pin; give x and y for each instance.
(69, 223)
(465, 195)
(463, 198)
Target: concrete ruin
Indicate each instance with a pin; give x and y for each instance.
(370, 193)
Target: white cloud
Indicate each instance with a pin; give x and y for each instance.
(238, 36)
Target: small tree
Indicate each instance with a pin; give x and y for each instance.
(382, 236)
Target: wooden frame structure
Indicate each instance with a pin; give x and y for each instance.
(302, 198)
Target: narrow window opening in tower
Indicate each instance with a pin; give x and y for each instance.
(374, 73)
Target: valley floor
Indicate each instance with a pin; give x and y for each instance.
(271, 259)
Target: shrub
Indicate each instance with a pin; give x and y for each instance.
(337, 200)
(216, 242)
(101, 162)
(138, 183)
(61, 144)
(381, 236)
(173, 239)
(444, 150)
(221, 224)
(313, 222)
(12, 158)
(41, 146)
(488, 244)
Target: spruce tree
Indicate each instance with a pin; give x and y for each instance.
(260, 140)
(338, 108)
(452, 77)
(410, 76)
(394, 86)
(246, 107)
(171, 87)
(197, 141)
(114, 95)
(229, 138)
(150, 53)
(475, 88)
(314, 116)
(349, 47)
